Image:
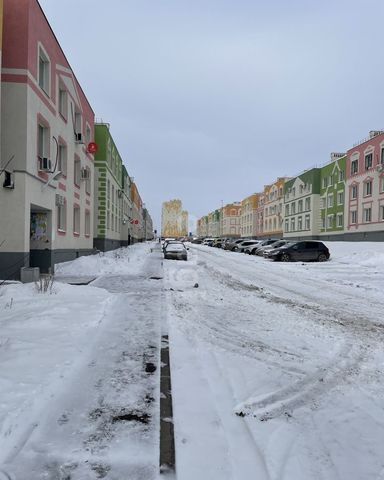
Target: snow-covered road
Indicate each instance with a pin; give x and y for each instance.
(277, 369)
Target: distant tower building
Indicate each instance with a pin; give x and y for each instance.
(174, 221)
(184, 223)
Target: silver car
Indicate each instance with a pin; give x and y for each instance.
(175, 251)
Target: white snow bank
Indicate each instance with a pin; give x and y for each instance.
(358, 253)
(123, 260)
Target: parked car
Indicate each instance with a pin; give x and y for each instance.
(308, 250)
(197, 241)
(264, 243)
(217, 242)
(175, 251)
(262, 251)
(208, 241)
(170, 241)
(246, 244)
(231, 244)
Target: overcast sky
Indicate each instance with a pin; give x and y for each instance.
(209, 100)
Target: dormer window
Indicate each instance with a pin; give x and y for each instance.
(44, 71)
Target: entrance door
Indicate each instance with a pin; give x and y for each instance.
(40, 244)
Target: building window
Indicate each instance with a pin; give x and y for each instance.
(62, 217)
(307, 203)
(330, 180)
(341, 175)
(286, 228)
(382, 156)
(76, 219)
(339, 220)
(87, 223)
(44, 71)
(354, 216)
(340, 198)
(108, 220)
(354, 167)
(325, 182)
(381, 213)
(300, 223)
(330, 221)
(330, 201)
(368, 161)
(293, 225)
(88, 181)
(63, 103)
(354, 192)
(62, 159)
(367, 188)
(307, 222)
(381, 184)
(42, 141)
(87, 135)
(322, 202)
(287, 210)
(108, 189)
(293, 208)
(367, 214)
(300, 207)
(77, 171)
(323, 222)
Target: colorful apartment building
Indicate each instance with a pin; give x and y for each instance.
(113, 203)
(332, 197)
(301, 205)
(174, 220)
(273, 209)
(231, 222)
(249, 218)
(364, 210)
(47, 124)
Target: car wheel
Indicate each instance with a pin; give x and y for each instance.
(234, 249)
(285, 257)
(322, 257)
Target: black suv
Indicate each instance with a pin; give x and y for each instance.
(308, 250)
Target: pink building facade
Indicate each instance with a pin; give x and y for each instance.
(364, 206)
(46, 198)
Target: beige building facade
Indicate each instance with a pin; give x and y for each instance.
(174, 220)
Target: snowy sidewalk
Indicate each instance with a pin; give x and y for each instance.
(79, 386)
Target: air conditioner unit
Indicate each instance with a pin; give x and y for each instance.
(85, 174)
(79, 138)
(8, 180)
(380, 167)
(45, 164)
(60, 200)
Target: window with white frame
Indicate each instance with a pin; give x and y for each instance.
(44, 71)
(341, 175)
(88, 181)
(63, 102)
(381, 218)
(382, 155)
(381, 183)
(353, 216)
(330, 200)
(76, 219)
(307, 222)
(354, 166)
(339, 220)
(77, 171)
(300, 223)
(62, 217)
(286, 227)
(293, 225)
(322, 202)
(325, 182)
(368, 188)
(330, 180)
(293, 208)
(87, 134)
(367, 214)
(287, 209)
(368, 161)
(112, 222)
(322, 222)
(108, 220)
(62, 158)
(300, 207)
(87, 223)
(307, 203)
(78, 122)
(354, 192)
(108, 189)
(340, 198)
(42, 141)
(330, 221)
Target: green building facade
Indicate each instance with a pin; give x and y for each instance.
(332, 197)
